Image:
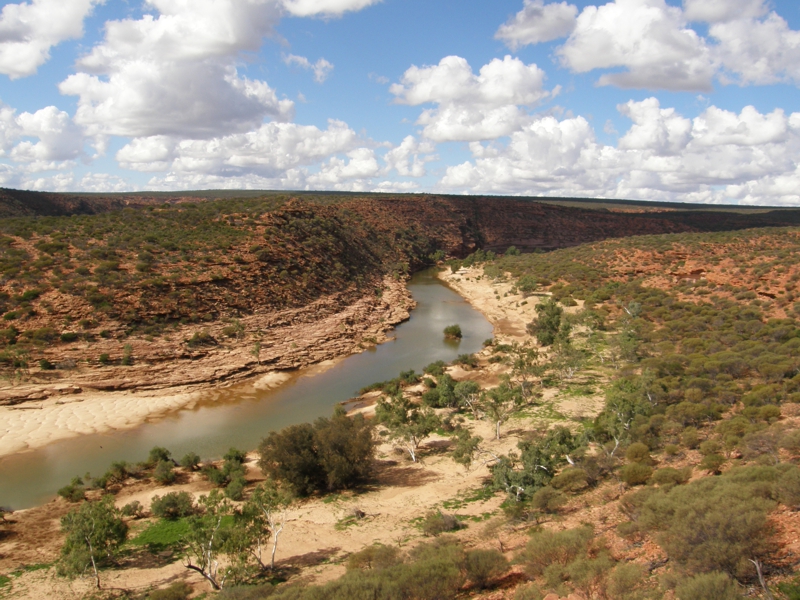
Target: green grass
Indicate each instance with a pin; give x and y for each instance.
(481, 494)
(162, 534)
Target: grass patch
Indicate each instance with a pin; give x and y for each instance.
(162, 534)
(481, 494)
(346, 522)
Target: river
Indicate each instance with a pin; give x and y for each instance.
(241, 415)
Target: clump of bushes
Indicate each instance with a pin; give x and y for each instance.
(453, 332)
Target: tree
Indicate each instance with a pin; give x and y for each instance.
(290, 455)
(525, 366)
(345, 448)
(268, 508)
(548, 325)
(406, 422)
(500, 403)
(94, 534)
(206, 540)
(467, 394)
(466, 447)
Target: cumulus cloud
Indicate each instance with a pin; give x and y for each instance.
(538, 22)
(410, 157)
(719, 156)
(268, 150)
(328, 8)
(717, 11)
(175, 74)
(472, 107)
(758, 51)
(655, 46)
(648, 38)
(322, 68)
(29, 30)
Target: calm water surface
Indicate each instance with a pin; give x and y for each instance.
(241, 415)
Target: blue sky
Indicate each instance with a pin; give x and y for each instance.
(686, 100)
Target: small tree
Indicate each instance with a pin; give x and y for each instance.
(94, 534)
(500, 403)
(405, 422)
(465, 448)
(548, 324)
(205, 540)
(467, 394)
(268, 506)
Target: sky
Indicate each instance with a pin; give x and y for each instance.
(671, 100)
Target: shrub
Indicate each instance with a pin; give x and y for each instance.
(571, 480)
(437, 523)
(712, 463)
(376, 556)
(635, 473)
(173, 505)
(74, 492)
(554, 547)
(46, 365)
(483, 566)
(104, 359)
(69, 337)
(668, 477)
(708, 586)
(435, 368)
(466, 360)
(133, 509)
(164, 472)
(639, 453)
(158, 454)
(329, 455)
(180, 590)
(235, 456)
(190, 461)
(235, 489)
(453, 332)
(548, 500)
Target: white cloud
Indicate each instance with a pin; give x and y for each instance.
(175, 74)
(267, 151)
(648, 38)
(322, 68)
(409, 158)
(719, 156)
(759, 51)
(716, 11)
(472, 107)
(662, 131)
(354, 173)
(328, 8)
(538, 22)
(59, 138)
(29, 30)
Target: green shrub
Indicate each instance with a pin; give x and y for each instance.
(235, 489)
(435, 368)
(46, 365)
(376, 556)
(74, 492)
(484, 566)
(180, 590)
(190, 461)
(708, 586)
(573, 479)
(158, 454)
(635, 474)
(133, 509)
(104, 359)
(548, 500)
(668, 476)
(548, 547)
(453, 332)
(437, 523)
(164, 473)
(69, 337)
(173, 505)
(639, 453)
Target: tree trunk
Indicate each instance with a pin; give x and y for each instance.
(497, 429)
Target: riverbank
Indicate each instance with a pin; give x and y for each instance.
(165, 378)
